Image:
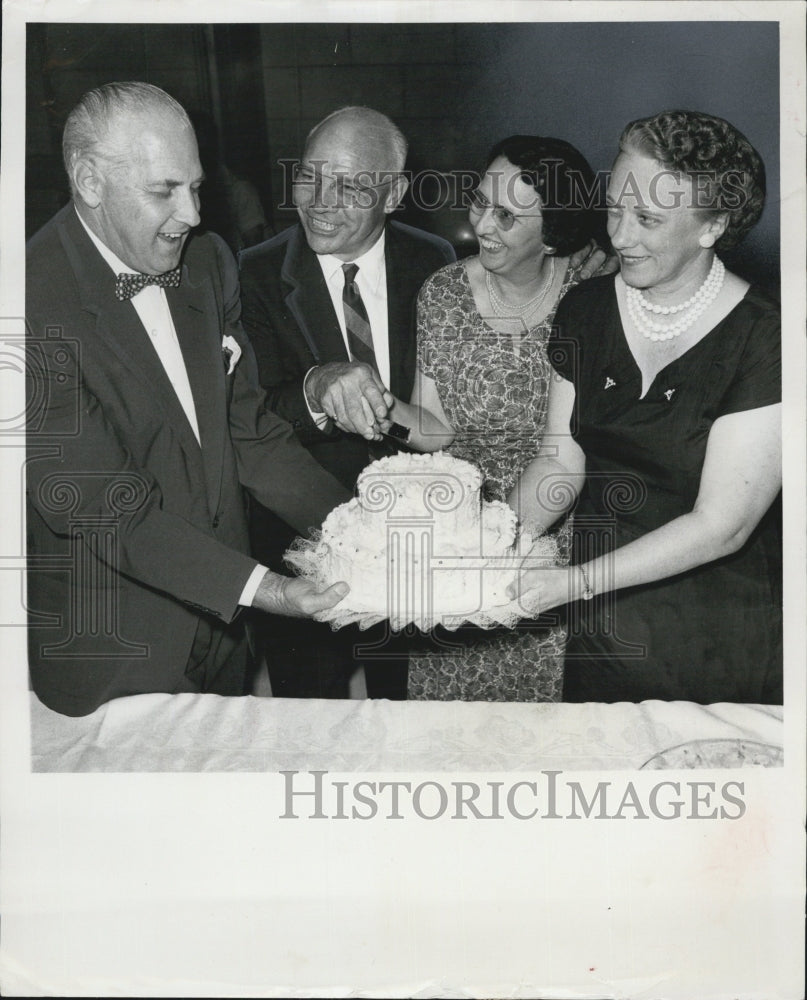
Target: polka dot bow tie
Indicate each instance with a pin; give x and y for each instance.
(128, 285)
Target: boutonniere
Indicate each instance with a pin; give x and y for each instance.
(231, 353)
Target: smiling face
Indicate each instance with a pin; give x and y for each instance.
(655, 228)
(350, 190)
(514, 253)
(144, 206)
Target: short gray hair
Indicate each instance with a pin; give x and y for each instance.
(377, 127)
(89, 126)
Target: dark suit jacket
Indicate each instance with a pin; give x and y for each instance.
(135, 532)
(289, 317)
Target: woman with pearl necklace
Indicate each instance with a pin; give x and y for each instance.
(664, 432)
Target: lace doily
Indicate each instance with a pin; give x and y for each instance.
(306, 557)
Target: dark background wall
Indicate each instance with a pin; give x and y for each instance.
(453, 88)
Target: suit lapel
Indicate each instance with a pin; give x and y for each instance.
(195, 314)
(400, 310)
(119, 327)
(309, 301)
(310, 304)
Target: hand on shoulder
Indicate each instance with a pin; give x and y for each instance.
(594, 261)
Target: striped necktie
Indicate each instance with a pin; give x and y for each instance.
(359, 335)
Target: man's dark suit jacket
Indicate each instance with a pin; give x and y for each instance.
(289, 317)
(136, 533)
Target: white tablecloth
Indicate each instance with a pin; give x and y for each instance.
(187, 732)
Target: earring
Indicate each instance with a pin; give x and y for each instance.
(548, 251)
(707, 241)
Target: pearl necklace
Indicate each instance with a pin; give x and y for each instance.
(505, 310)
(696, 305)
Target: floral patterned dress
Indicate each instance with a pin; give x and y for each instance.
(493, 386)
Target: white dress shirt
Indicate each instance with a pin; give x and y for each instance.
(151, 305)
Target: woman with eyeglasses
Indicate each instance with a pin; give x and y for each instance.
(483, 379)
(665, 427)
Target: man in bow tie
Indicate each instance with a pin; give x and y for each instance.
(145, 420)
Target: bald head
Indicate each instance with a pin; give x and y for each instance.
(351, 180)
(104, 122)
(382, 143)
(135, 174)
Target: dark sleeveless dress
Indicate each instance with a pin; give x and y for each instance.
(713, 633)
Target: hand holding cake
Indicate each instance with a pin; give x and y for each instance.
(296, 597)
(420, 545)
(539, 588)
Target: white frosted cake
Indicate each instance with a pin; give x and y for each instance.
(418, 539)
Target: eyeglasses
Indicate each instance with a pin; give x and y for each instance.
(503, 217)
(349, 192)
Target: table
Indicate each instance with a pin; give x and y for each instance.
(205, 732)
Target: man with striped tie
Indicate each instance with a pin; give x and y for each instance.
(329, 307)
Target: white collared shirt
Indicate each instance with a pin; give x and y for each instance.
(151, 305)
(372, 282)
